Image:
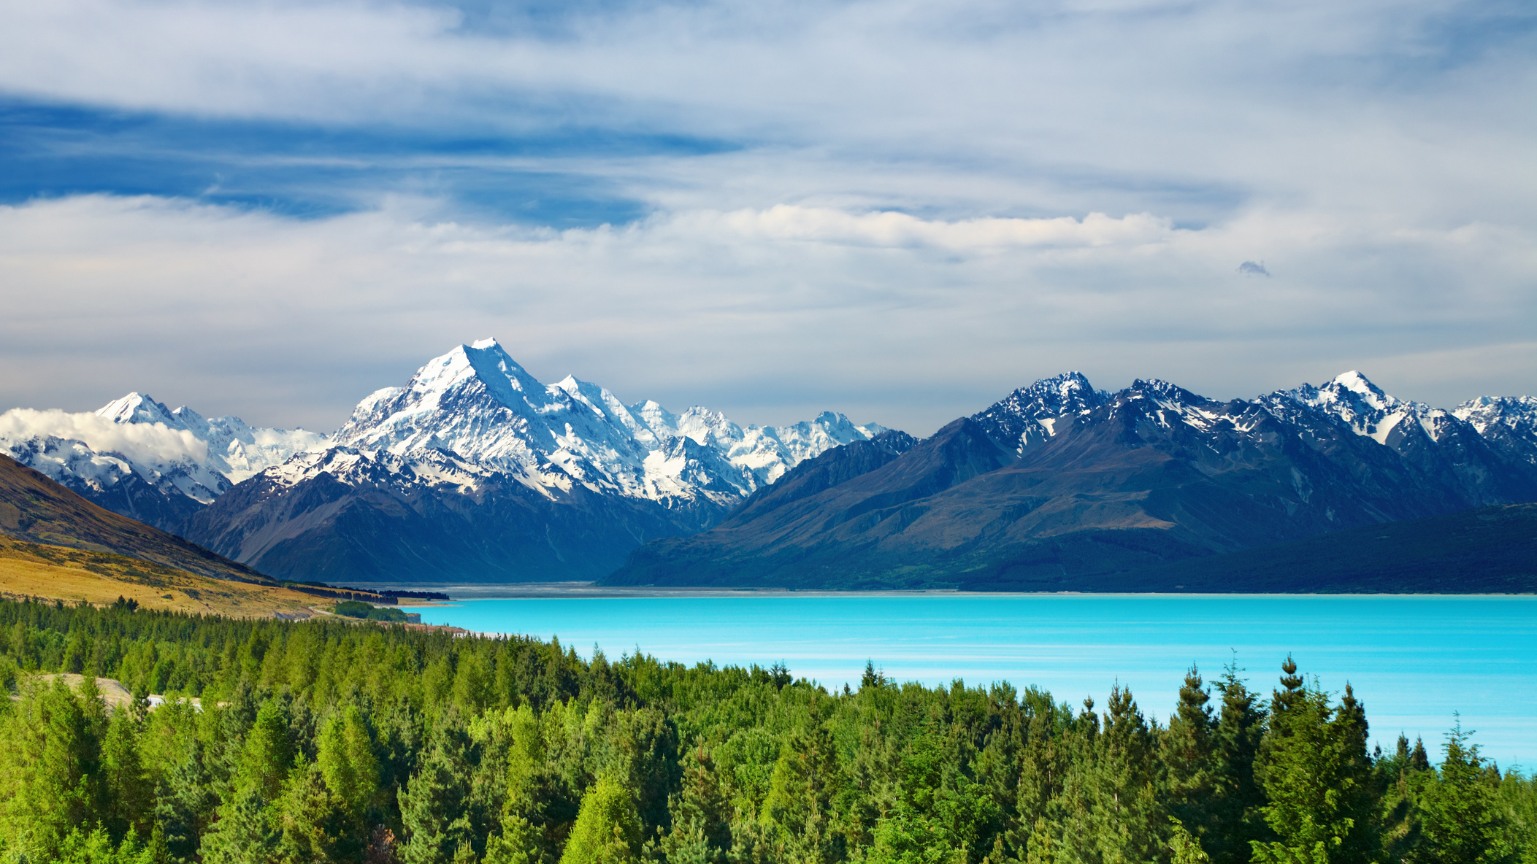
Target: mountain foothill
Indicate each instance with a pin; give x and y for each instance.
(476, 472)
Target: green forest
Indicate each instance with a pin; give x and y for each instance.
(360, 741)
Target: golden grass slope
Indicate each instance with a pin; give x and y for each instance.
(35, 570)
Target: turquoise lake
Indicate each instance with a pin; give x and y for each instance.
(1415, 661)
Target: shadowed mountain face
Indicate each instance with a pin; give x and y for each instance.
(35, 509)
(1059, 487)
(376, 520)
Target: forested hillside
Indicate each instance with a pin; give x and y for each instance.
(329, 741)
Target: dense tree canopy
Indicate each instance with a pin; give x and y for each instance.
(340, 742)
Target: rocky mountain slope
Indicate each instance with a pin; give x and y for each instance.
(1062, 487)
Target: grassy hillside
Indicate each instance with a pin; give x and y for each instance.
(80, 575)
(59, 546)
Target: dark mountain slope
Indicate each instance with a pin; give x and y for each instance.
(1116, 485)
(375, 520)
(1490, 550)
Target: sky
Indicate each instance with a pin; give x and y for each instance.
(898, 210)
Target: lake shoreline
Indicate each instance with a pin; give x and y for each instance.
(576, 590)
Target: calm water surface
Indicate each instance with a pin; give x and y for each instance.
(1415, 661)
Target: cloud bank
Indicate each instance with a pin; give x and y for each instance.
(895, 209)
(139, 443)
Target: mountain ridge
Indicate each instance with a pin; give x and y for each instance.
(476, 470)
(1113, 484)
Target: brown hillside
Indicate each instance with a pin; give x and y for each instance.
(37, 571)
(35, 509)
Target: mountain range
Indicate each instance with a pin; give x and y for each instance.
(1060, 486)
(472, 471)
(475, 471)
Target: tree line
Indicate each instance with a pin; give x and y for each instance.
(329, 741)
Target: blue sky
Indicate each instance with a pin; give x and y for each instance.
(900, 210)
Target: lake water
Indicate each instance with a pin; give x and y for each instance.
(1415, 661)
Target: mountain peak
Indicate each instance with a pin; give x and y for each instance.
(1359, 384)
(136, 407)
(1159, 389)
(1029, 415)
(1347, 395)
(485, 361)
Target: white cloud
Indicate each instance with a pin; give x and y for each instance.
(139, 443)
(920, 205)
(769, 315)
(828, 225)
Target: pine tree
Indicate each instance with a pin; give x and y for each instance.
(267, 753)
(433, 806)
(1312, 767)
(1463, 822)
(701, 816)
(311, 820)
(1355, 787)
(1112, 812)
(794, 816)
(1235, 805)
(128, 791)
(607, 829)
(1188, 750)
(49, 770)
(247, 830)
(346, 758)
(523, 829)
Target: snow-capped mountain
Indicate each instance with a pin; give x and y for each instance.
(1030, 415)
(1508, 423)
(1062, 487)
(484, 472)
(138, 457)
(1438, 443)
(475, 470)
(478, 404)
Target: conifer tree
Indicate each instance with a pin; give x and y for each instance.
(1462, 819)
(1112, 810)
(1188, 750)
(1236, 799)
(522, 833)
(1355, 781)
(607, 829)
(346, 759)
(311, 820)
(247, 830)
(49, 771)
(794, 816)
(701, 815)
(129, 794)
(433, 806)
(1312, 767)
